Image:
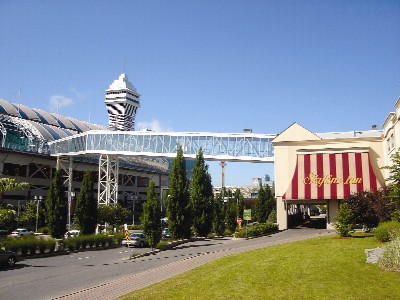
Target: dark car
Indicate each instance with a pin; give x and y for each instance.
(8, 258)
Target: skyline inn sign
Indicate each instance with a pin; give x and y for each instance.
(329, 179)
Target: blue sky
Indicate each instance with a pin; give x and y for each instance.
(217, 66)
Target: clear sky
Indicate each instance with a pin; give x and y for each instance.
(217, 66)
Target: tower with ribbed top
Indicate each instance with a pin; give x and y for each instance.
(122, 102)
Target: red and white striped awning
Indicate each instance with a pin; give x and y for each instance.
(323, 176)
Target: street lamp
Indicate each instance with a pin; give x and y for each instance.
(133, 199)
(69, 209)
(37, 200)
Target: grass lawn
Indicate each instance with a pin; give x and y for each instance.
(328, 267)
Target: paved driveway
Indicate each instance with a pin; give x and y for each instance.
(108, 274)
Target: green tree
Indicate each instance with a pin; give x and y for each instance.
(152, 217)
(240, 201)
(230, 208)
(7, 215)
(56, 207)
(201, 197)
(27, 215)
(394, 177)
(343, 220)
(178, 204)
(113, 214)
(260, 212)
(264, 204)
(86, 206)
(218, 217)
(11, 184)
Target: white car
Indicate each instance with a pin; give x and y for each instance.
(21, 232)
(136, 239)
(72, 233)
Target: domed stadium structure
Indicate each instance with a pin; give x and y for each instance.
(25, 134)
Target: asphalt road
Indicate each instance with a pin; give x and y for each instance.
(57, 276)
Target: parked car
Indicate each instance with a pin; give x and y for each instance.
(21, 232)
(137, 239)
(165, 233)
(8, 258)
(72, 233)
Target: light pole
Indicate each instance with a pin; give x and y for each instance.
(133, 198)
(38, 200)
(69, 209)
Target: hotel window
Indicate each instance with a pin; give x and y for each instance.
(390, 143)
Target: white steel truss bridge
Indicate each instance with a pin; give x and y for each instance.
(249, 147)
(111, 145)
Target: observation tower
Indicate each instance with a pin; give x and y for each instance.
(122, 102)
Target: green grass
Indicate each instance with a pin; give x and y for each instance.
(322, 268)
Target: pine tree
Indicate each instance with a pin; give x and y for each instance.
(218, 220)
(261, 211)
(178, 204)
(86, 206)
(201, 197)
(394, 177)
(240, 201)
(56, 207)
(152, 217)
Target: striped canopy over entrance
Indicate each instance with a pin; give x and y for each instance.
(324, 176)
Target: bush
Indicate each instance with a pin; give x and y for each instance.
(227, 232)
(257, 230)
(162, 244)
(396, 215)
(44, 230)
(272, 217)
(384, 230)
(343, 220)
(118, 237)
(390, 260)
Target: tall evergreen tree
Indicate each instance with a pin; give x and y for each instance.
(240, 201)
(261, 214)
(201, 197)
(394, 177)
(230, 214)
(86, 206)
(152, 217)
(264, 204)
(178, 204)
(56, 206)
(219, 220)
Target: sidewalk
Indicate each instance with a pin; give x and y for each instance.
(117, 288)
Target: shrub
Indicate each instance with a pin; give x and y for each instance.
(272, 217)
(211, 235)
(343, 220)
(257, 230)
(41, 244)
(162, 244)
(71, 243)
(118, 237)
(227, 232)
(396, 215)
(44, 230)
(385, 229)
(390, 259)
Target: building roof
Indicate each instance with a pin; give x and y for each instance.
(51, 126)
